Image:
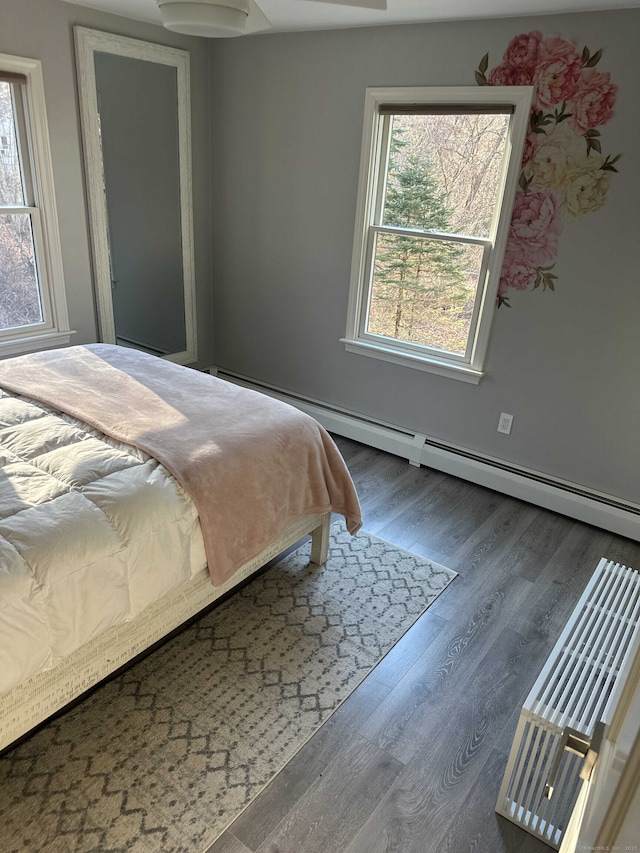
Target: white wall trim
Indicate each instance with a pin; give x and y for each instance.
(87, 43)
(417, 362)
(562, 496)
(31, 343)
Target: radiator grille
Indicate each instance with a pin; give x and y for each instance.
(579, 686)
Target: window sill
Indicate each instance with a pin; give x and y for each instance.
(31, 343)
(462, 372)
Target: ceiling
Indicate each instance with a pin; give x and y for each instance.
(288, 15)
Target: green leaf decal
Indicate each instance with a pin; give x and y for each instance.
(595, 59)
(608, 165)
(561, 114)
(545, 277)
(524, 182)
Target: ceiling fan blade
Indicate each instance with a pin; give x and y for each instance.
(365, 4)
(257, 21)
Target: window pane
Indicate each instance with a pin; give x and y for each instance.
(443, 171)
(11, 189)
(424, 290)
(20, 303)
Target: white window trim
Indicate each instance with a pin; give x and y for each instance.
(471, 368)
(55, 330)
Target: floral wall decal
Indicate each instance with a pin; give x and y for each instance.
(564, 172)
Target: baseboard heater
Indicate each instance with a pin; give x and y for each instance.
(569, 710)
(560, 496)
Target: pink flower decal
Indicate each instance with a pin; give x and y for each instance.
(593, 101)
(557, 71)
(536, 224)
(523, 50)
(519, 61)
(509, 75)
(516, 274)
(564, 174)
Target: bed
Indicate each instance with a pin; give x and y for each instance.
(133, 494)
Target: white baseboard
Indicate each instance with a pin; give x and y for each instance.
(561, 496)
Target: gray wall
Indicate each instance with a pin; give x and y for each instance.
(43, 29)
(287, 117)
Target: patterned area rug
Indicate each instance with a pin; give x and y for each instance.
(163, 757)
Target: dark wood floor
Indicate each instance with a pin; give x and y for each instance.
(412, 762)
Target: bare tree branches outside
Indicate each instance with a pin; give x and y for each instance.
(20, 302)
(443, 175)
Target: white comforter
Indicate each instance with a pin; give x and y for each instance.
(91, 532)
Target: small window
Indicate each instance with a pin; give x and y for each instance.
(438, 178)
(33, 311)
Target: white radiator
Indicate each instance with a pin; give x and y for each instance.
(569, 707)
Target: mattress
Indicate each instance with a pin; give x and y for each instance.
(92, 532)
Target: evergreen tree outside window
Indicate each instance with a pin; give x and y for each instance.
(438, 178)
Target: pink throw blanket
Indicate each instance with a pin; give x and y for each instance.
(252, 465)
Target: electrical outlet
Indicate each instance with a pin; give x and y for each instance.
(504, 423)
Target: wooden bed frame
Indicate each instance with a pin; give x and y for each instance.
(42, 695)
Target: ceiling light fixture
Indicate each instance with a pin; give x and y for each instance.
(224, 18)
(209, 18)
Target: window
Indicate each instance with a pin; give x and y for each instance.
(438, 177)
(33, 312)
